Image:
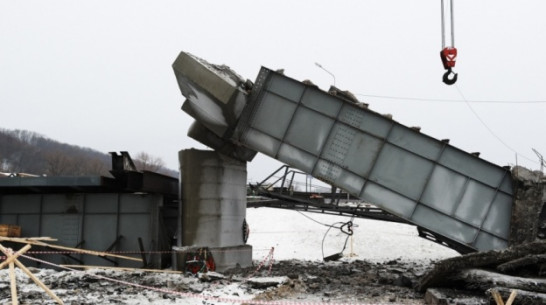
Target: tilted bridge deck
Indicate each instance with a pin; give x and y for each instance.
(450, 193)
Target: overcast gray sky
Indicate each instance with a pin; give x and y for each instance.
(98, 73)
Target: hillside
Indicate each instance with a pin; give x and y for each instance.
(23, 151)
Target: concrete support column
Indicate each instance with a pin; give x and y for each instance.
(213, 206)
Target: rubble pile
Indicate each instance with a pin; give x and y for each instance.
(354, 281)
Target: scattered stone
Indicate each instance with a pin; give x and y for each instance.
(210, 276)
(339, 282)
(438, 296)
(265, 282)
(197, 288)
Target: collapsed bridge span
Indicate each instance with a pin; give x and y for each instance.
(428, 182)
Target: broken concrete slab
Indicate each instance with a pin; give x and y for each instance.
(265, 282)
(528, 208)
(438, 296)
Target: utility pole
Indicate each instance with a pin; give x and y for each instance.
(320, 66)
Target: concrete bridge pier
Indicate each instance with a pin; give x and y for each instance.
(212, 208)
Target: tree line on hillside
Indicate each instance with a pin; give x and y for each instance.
(23, 151)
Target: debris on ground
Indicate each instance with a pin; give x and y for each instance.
(355, 281)
(521, 268)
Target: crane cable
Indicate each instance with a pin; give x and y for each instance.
(452, 25)
(448, 54)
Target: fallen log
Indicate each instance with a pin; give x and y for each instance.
(441, 271)
(523, 262)
(522, 298)
(483, 280)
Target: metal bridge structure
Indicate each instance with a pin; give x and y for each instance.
(455, 196)
(280, 190)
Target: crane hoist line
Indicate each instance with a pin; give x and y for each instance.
(448, 52)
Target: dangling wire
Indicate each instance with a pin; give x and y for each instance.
(344, 227)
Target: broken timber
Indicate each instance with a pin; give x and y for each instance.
(442, 271)
(523, 296)
(36, 242)
(498, 298)
(483, 280)
(87, 267)
(12, 260)
(523, 262)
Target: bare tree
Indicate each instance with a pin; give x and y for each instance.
(147, 162)
(58, 164)
(94, 167)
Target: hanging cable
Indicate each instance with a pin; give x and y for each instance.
(448, 54)
(439, 100)
(344, 227)
(338, 255)
(489, 129)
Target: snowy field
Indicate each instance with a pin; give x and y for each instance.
(296, 236)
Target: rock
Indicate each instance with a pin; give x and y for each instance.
(292, 276)
(435, 297)
(197, 288)
(265, 282)
(403, 281)
(210, 276)
(438, 296)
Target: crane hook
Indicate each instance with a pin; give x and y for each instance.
(447, 80)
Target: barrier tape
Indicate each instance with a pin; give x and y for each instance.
(200, 296)
(262, 263)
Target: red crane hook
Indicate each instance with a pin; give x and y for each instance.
(448, 56)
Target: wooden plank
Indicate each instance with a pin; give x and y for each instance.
(87, 267)
(10, 230)
(38, 282)
(512, 297)
(25, 239)
(44, 238)
(497, 297)
(78, 250)
(12, 257)
(523, 297)
(13, 283)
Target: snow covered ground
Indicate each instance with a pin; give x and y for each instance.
(296, 236)
(297, 239)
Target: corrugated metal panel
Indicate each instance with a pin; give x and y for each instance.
(90, 221)
(426, 181)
